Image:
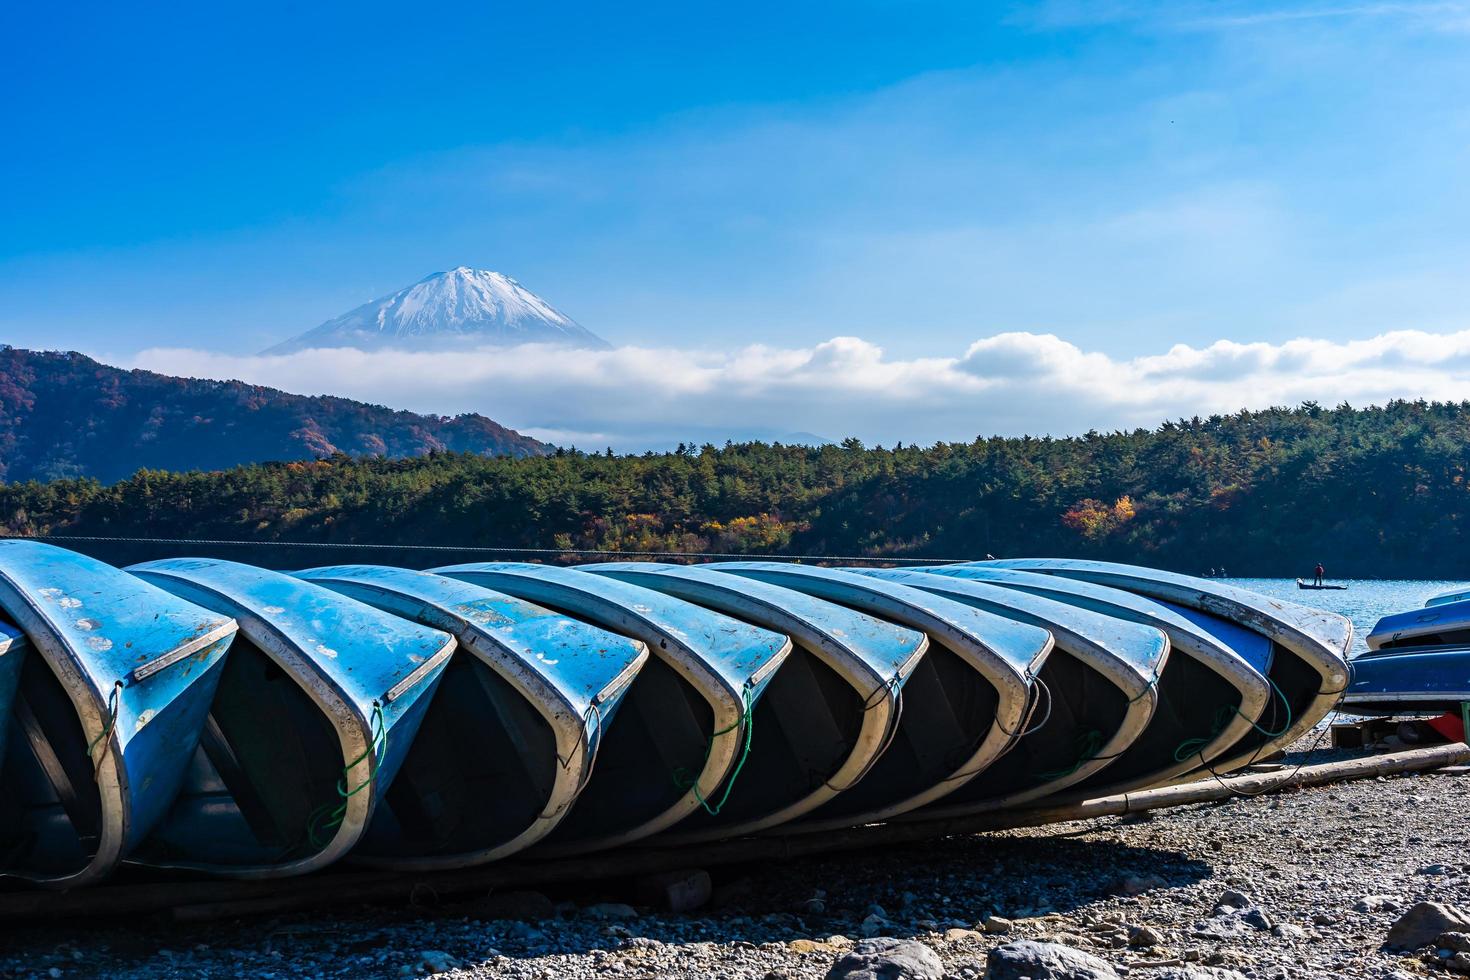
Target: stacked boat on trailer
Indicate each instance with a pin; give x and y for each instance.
(1417, 662)
(212, 717)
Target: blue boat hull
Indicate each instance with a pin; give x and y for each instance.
(108, 711)
(514, 733)
(1413, 680)
(315, 714)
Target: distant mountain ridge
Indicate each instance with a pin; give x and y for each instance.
(460, 308)
(63, 414)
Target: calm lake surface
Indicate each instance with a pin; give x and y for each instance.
(1364, 602)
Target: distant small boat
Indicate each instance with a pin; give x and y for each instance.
(1301, 584)
(1418, 680)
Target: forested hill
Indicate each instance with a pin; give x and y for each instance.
(1378, 491)
(66, 415)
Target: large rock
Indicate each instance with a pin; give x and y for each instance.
(884, 958)
(1029, 960)
(1424, 923)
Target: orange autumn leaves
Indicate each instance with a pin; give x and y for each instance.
(1095, 519)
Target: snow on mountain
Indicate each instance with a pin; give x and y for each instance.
(459, 308)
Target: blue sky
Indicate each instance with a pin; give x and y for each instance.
(1125, 176)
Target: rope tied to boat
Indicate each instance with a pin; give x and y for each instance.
(326, 818)
(1036, 688)
(1196, 746)
(1153, 683)
(684, 781)
(114, 703)
(589, 756)
(893, 687)
(1223, 716)
(1089, 743)
(1285, 707)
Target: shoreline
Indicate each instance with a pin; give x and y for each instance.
(1329, 869)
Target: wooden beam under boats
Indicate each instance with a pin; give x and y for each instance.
(200, 901)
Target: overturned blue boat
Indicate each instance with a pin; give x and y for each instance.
(105, 712)
(516, 726)
(966, 702)
(1101, 679)
(1309, 647)
(1453, 595)
(1444, 623)
(829, 712)
(1418, 661)
(1414, 680)
(315, 712)
(1219, 664)
(685, 726)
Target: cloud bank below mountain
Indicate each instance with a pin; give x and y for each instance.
(636, 398)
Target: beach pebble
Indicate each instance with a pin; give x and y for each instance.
(1377, 903)
(884, 958)
(1145, 937)
(997, 925)
(1029, 960)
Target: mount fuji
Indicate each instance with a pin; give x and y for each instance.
(461, 308)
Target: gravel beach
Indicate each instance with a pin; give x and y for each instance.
(1304, 883)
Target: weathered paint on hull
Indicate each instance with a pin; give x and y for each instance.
(308, 730)
(561, 682)
(110, 708)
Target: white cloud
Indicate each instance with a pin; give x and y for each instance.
(634, 398)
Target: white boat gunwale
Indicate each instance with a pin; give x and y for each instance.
(568, 724)
(880, 695)
(924, 612)
(1185, 637)
(1320, 639)
(726, 700)
(1138, 688)
(354, 728)
(95, 709)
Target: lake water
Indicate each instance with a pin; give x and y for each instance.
(1365, 601)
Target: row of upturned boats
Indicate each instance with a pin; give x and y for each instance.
(215, 717)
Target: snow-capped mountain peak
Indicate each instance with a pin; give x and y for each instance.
(463, 307)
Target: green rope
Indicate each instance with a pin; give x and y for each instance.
(326, 818)
(1089, 743)
(1153, 682)
(1285, 705)
(113, 703)
(1196, 746)
(1223, 716)
(682, 778)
